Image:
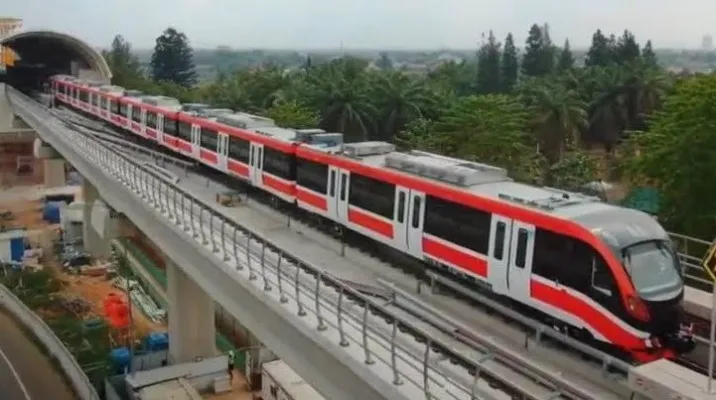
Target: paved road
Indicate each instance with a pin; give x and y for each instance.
(25, 373)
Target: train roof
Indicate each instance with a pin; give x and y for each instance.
(196, 107)
(216, 112)
(245, 121)
(618, 226)
(162, 102)
(112, 89)
(277, 133)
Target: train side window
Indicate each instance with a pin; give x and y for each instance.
(601, 276)
(401, 207)
(170, 126)
(416, 211)
(458, 224)
(278, 163)
(521, 255)
(239, 149)
(136, 114)
(208, 139)
(344, 185)
(312, 175)
(122, 109)
(184, 131)
(332, 184)
(151, 120)
(498, 251)
(372, 195)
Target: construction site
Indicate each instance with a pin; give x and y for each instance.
(42, 232)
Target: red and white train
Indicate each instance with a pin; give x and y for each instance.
(590, 267)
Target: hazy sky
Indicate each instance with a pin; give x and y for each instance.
(365, 23)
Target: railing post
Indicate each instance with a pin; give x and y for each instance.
(317, 297)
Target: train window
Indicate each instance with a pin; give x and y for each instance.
(136, 114)
(464, 226)
(151, 119)
(184, 131)
(372, 195)
(84, 96)
(103, 102)
(601, 276)
(114, 107)
(170, 126)
(208, 139)
(344, 185)
(550, 252)
(416, 211)
(122, 109)
(498, 251)
(239, 149)
(332, 184)
(521, 255)
(312, 175)
(278, 163)
(401, 207)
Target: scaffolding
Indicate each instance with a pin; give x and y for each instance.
(8, 27)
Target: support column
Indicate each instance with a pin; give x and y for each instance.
(54, 172)
(192, 330)
(100, 224)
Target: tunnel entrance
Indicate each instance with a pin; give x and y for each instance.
(46, 53)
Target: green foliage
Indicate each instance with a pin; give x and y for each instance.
(488, 66)
(573, 171)
(539, 56)
(510, 67)
(173, 60)
(566, 58)
(678, 155)
(124, 64)
(293, 114)
(600, 54)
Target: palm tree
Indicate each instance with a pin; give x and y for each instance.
(400, 100)
(559, 117)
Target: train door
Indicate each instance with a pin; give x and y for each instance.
(196, 141)
(520, 261)
(222, 150)
(498, 254)
(415, 221)
(338, 191)
(128, 117)
(143, 122)
(160, 128)
(400, 218)
(256, 163)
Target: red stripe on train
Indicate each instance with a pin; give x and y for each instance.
(377, 225)
(454, 256)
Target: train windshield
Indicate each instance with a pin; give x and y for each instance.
(653, 267)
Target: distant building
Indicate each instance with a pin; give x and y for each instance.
(707, 43)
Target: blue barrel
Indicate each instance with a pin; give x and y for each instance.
(51, 213)
(120, 358)
(157, 341)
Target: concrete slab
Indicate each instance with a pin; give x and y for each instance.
(698, 303)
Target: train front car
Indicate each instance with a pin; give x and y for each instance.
(652, 285)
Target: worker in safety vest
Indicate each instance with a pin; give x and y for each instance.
(231, 364)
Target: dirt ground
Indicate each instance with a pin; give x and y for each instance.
(96, 289)
(26, 214)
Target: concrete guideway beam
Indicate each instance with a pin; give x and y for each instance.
(331, 370)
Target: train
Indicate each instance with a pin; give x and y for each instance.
(592, 269)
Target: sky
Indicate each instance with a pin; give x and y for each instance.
(374, 24)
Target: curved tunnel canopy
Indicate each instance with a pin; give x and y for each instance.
(54, 53)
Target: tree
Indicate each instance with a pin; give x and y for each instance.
(510, 65)
(173, 59)
(488, 66)
(648, 55)
(627, 49)
(566, 58)
(600, 53)
(384, 62)
(293, 114)
(538, 59)
(124, 65)
(677, 156)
